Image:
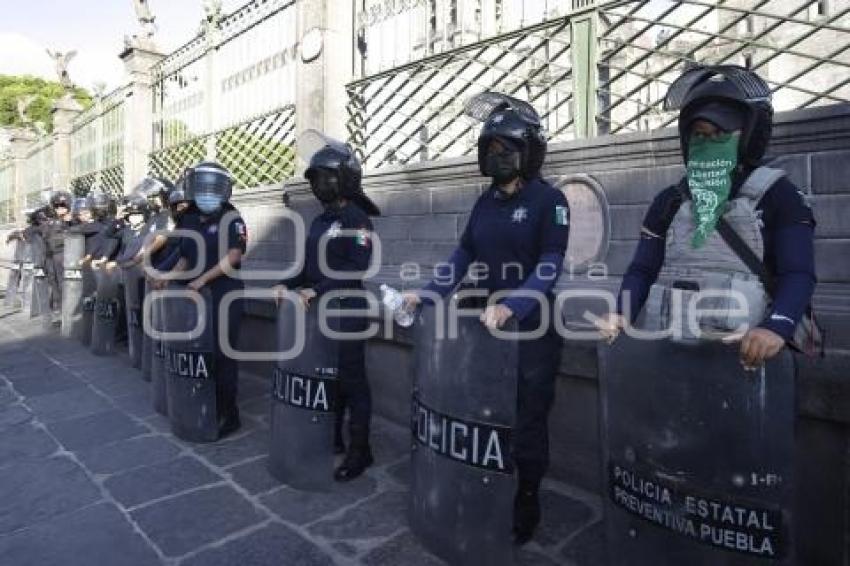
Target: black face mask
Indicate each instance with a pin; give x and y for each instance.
(503, 166)
(325, 186)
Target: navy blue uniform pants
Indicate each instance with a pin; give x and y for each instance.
(538, 364)
(226, 368)
(355, 394)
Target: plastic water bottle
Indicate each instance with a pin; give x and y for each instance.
(393, 301)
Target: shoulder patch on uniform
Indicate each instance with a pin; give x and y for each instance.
(242, 230)
(364, 238)
(562, 215)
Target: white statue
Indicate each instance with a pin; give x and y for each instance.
(145, 17)
(23, 103)
(212, 8)
(61, 60)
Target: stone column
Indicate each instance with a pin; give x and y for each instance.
(20, 142)
(65, 110)
(138, 112)
(324, 65)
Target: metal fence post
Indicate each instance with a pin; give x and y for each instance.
(583, 29)
(138, 113)
(20, 142)
(64, 111)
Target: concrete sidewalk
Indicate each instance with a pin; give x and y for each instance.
(89, 474)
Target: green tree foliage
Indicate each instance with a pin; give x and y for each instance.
(16, 88)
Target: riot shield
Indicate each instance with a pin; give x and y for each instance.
(191, 367)
(40, 302)
(698, 455)
(87, 303)
(26, 283)
(304, 392)
(13, 283)
(72, 286)
(134, 283)
(464, 409)
(154, 358)
(106, 312)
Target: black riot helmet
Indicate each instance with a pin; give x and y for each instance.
(177, 196)
(79, 206)
(101, 204)
(512, 122)
(136, 204)
(208, 177)
(156, 190)
(716, 93)
(334, 171)
(61, 198)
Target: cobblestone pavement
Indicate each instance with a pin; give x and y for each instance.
(89, 474)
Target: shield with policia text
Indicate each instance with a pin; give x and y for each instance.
(13, 284)
(304, 391)
(153, 357)
(40, 301)
(463, 414)
(134, 285)
(107, 311)
(698, 455)
(72, 286)
(190, 360)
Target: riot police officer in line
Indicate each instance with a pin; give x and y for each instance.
(726, 117)
(209, 186)
(335, 177)
(162, 249)
(520, 220)
(54, 235)
(100, 207)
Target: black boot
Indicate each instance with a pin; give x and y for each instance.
(228, 415)
(358, 457)
(526, 511)
(339, 442)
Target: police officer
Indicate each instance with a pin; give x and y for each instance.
(520, 220)
(209, 186)
(35, 235)
(54, 235)
(162, 249)
(335, 178)
(725, 124)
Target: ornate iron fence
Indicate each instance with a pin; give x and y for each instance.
(39, 170)
(592, 67)
(97, 146)
(799, 46)
(257, 152)
(414, 112)
(229, 95)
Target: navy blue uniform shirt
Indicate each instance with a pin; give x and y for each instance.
(348, 252)
(209, 228)
(521, 241)
(788, 233)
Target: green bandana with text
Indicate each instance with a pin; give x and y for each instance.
(710, 165)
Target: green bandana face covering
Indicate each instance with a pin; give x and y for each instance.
(710, 165)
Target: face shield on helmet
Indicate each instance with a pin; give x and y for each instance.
(178, 204)
(80, 210)
(731, 98)
(209, 185)
(155, 190)
(512, 131)
(334, 171)
(61, 202)
(136, 211)
(325, 185)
